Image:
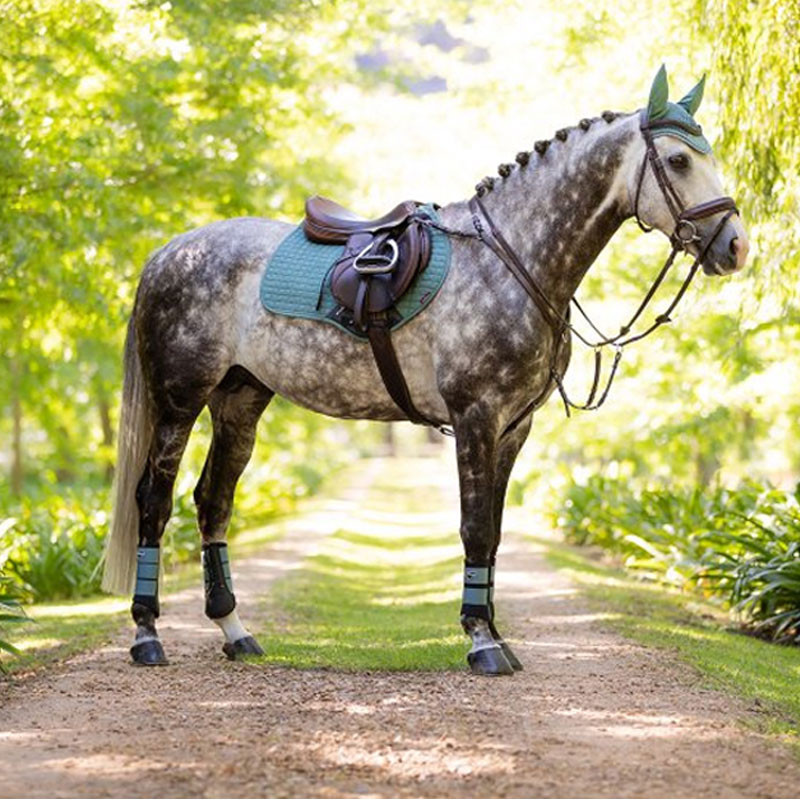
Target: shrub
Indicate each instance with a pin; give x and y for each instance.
(742, 546)
(10, 611)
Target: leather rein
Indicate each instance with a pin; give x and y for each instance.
(684, 234)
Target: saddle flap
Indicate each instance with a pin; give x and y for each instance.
(382, 289)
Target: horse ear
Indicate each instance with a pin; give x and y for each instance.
(659, 91)
(692, 100)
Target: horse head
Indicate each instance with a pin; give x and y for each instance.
(675, 187)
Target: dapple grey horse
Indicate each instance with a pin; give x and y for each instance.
(481, 358)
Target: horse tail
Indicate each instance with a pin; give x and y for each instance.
(133, 444)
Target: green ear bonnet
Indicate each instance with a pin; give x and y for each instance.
(675, 119)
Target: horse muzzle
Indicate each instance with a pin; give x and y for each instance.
(727, 252)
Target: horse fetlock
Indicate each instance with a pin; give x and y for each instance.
(220, 602)
(145, 611)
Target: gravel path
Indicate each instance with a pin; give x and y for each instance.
(592, 714)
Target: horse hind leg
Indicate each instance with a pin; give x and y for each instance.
(154, 499)
(236, 406)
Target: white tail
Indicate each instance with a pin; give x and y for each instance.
(133, 443)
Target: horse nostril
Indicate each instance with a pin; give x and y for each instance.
(733, 246)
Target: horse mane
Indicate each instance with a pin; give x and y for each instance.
(523, 158)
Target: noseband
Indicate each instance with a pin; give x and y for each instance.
(684, 235)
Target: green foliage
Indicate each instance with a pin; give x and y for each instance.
(122, 125)
(10, 611)
(741, 546)
(52, 546)
(758, 566)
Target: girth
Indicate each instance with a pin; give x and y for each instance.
(379, 262)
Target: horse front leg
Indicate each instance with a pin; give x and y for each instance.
(477, 457)
(154, 499)
(508, 450)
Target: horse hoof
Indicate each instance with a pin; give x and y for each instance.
(246, 646)
(511, 657)
(148, 654)
(489, 661)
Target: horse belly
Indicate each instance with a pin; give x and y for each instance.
(318, 366)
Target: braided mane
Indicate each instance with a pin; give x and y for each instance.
(523, 158)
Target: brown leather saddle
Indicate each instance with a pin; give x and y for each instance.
(381, 258)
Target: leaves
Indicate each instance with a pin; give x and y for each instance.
(741, 546)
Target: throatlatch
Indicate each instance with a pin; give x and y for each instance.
(147, 566)
(478, 598)
(220, 600)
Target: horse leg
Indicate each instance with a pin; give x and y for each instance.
(508, 450)
(236, 406)
(477, 456)
(154, 499)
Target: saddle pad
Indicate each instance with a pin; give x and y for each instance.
(296, 280)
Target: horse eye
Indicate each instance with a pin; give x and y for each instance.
(679, 161)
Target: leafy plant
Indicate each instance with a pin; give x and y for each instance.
(741, 546)
(10, 612)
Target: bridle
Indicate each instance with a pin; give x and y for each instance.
(684, 234)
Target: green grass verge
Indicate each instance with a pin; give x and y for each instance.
(61, 629)
(386, 600)
(764, 674)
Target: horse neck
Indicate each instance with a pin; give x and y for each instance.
(559, 211)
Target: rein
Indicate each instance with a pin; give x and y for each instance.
(684, 234)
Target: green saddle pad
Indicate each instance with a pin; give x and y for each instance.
(296, 281)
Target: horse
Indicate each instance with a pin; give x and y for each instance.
(487, 352)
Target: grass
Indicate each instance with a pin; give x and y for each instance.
(386, 599)
(767, 675)
(58, 630)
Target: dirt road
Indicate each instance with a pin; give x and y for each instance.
(592, 714)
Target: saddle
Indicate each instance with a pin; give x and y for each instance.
(381, 258)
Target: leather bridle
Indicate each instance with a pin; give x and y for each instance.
(684, 235)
